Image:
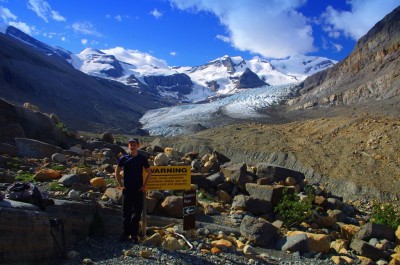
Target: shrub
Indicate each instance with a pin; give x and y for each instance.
(291, 210)
(385, 214)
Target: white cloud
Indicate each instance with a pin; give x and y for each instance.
(84, 41)
(23, 26)
(44, 11)
(118, 18)
(270, 28)
(56, 16)
(155, 13)
(63, 39)
(337, 46)
(362, 17)
(85, 28)
(135, 57)
(6, 15)
(172, 53)
(223, 38)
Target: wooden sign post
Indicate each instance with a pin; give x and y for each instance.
(189, 210)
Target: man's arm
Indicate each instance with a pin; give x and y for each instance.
(148, 175)
(118, 177)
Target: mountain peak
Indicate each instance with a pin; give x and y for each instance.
(90, 51)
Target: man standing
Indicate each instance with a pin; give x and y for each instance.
(133, 188)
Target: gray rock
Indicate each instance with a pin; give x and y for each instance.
(364, 249)
(36, 149)
(59, 158)
(69, 180)
(371, 230)
(259, 232)
(278, 173)
(25, 236)
(252, 205)
(270, 193)
(215, 179)
(293, 243)
(9, 149)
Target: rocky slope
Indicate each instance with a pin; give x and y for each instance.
(82, 101)
(370, 73)
(356, 156)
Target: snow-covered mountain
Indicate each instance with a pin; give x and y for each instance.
(218, 78)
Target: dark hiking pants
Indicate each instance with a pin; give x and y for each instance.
(132, 207)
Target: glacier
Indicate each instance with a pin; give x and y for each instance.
(172, 121)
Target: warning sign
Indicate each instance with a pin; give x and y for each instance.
(168, 178)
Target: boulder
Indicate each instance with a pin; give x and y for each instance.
(172, 206)
(76, 216)
(270, 193)
(315, 242)
(250, 204)
(278, 173)
(364, 249)
(161, 160)
(114, 194)
(98, 182)
(199, 179)
(36, 149)
(259, 232)
(69, 180)
(25, 237)
(229, 169)
(47, 175)
(9, 149)
(293, 243)
(59, 158)
(107, 137)
(372, 230)
(215, 179)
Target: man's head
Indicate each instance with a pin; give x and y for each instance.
(133, 144)
(133, 140)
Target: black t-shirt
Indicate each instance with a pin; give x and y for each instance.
(133, 170)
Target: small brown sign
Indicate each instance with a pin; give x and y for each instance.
(189, 209)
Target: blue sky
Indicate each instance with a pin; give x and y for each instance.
(193, 32)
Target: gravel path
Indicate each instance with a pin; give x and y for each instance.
(109, 250)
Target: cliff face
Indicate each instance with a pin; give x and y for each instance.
(371, 72)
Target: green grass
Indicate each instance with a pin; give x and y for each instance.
(111, 181)
(26, 177)
(58, 167)
(55, 186)
(13, 164)
(203, 196)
